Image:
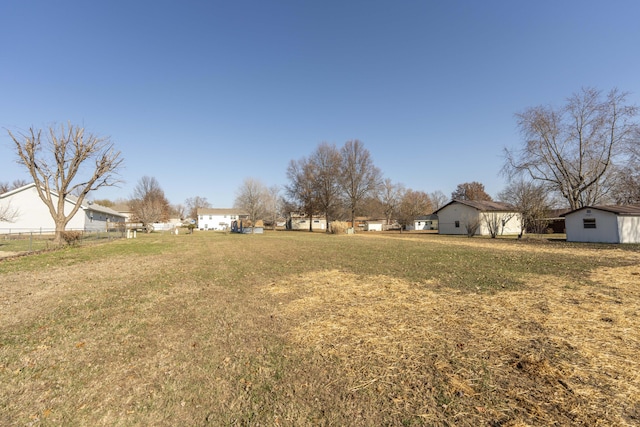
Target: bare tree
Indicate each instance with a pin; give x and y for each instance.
(273, 205)
(17, 183)
(325, 169)
(251, 198)
(149, 204)
(412, 205)
(390, 196)
(178, 211)
(7, 213)
(531, 200)
(626, 187)
(496, 221)
(300, 189)
(56, 165)
(195, 203)
(438, 199)
(470, 191)
(471, 224)
(359, 177)
(573, 148)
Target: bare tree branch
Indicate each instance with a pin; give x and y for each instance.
(54, 165)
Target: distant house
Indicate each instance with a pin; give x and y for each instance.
(298, 221)
(374, 224)
(426, 222)
(31, 213)
(604, 224)
(218, 218)
(457, 216)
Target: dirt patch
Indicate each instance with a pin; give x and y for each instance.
(552, 352)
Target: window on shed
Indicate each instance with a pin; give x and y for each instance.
(457, 224)
(589, 222)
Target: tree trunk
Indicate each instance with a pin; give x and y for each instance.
(60, 226)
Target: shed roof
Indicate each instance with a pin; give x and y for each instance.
(482, 206)
(220, 211)
(625, 210)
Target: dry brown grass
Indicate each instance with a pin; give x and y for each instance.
(218, 329)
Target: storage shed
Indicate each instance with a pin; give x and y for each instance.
(604, 224)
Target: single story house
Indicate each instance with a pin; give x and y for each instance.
(298, 221)
(604, 224)
(426, 222)
(218, 218)
(29, 213)
(374, 225)
(459, 216)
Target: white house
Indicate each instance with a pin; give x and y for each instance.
(218, 218)
(457, 216)
(298, 221)
(603, 224)
(426, 222)
(29, 213)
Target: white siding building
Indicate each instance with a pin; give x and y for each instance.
(456, 216)
(603, 224)
(218, 219)
(29, 213)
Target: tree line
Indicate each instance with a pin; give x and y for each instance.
(583, 153)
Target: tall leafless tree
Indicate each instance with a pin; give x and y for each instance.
(325, 165)
(438, 199)
(251, 199)
(572, 148)
(412, 205)
(531, 200)
(192, 204)
(57, 163)
(300, 189)
(390, 196)
(149, 204)
(359, 177)
(273, 205)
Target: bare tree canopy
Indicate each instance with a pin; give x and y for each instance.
(195, 203)
(573, 148)
(17, 183)
(57, 163)
(412, 205)
(390, 198)
(438, 199)
(251, 199)
(300, 189)
(325, 165)
(531, 200)
(470, 191)
(149, 204)
(359, 177)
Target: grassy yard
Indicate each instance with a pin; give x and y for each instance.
(306, 329)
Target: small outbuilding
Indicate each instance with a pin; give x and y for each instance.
(603, 224)
(426, 222)
(480, 218)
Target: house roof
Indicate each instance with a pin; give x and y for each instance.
(104, 209)
(71, 199)
(623, 210)
(219, 211)
(482, 206)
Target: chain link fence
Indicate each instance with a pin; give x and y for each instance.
(23, 240)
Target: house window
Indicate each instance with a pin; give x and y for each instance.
(210, 218)
(589, 222)
(457, 224)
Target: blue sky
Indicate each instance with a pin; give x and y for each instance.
(203, 94)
